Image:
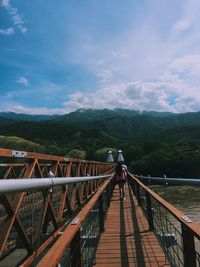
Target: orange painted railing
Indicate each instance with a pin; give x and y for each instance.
(178, 235)
(33, 220)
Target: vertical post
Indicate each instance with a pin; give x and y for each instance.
(133, 186)
(76, 250)
(188, 247)
(112, 184)
(101, 215)
(138, 194)
(108, 192)
(149, 211)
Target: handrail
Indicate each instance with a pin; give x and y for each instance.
(174, 181)
(32, 209)
(179, 215)
(23, 185)
(55, 253)
(156, 215)
(4, 152)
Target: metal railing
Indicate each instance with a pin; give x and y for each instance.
(78, 242)
(178, 235)
(35, 210)
(171, 181)
(25, 185)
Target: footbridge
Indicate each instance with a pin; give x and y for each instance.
(59, 211)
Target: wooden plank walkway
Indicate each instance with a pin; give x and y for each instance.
(126, 240)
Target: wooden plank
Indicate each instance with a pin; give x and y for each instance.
(127, 240)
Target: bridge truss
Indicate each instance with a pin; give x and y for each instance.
(33, 219)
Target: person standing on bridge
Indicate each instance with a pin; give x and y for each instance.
(121, 174)
(50, 174)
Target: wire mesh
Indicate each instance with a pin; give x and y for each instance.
(30, 210)
(167, 228)
(3, 215)
(89, 236)
(143, 201)
(56, 197)
(197, 259)
(90, 233)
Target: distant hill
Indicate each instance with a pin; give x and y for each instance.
(52, 134)
(152, 142)
(27, 117)
(129, 123)
(14, 142)
(118, 123)
(85, 117)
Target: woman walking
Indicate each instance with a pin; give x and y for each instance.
(120, 174)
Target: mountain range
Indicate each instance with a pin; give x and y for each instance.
(138, 134)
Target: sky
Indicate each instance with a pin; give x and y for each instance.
(60, 56)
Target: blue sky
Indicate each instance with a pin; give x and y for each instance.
(59, 56)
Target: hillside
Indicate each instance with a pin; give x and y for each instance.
(20, 144)
(153, 143)
(58, 138)
(6, 121)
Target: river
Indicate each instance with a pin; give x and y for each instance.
(184, 198)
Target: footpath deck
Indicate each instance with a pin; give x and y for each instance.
(126, 240)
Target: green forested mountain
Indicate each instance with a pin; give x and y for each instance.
(26, 117)
(5, 121)
(128, 123)
(57, 137)
(153, 143)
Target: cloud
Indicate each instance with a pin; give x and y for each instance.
(23, 80)
(14, 15)
(8, 31)
(182, 25)
(136, 95)
(190, 17)
(176, 90)
(143, 62)
(5, 3)
(17, 108)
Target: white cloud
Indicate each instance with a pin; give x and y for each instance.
(136, 95)
(14, 15)
(172, 91)
(182, 25)
(156, 51)
(5, 3)
(190, 17)
(176, 90)
(8, 31)
(148, 66)
(17, 108)
(23, 80)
